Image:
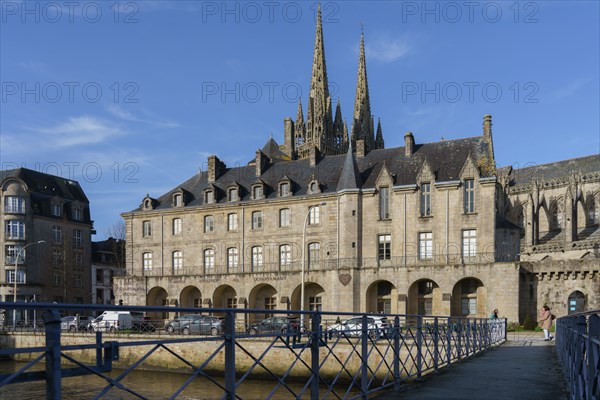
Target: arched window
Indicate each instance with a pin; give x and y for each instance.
(285, 255)
(209, 260)
(177, 260)
(557, 218)
(147, 261)
(257, 258)
(232, 259)
(314, 250)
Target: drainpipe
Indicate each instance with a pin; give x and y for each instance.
(447, 225)
(243, 249)
(404, 254)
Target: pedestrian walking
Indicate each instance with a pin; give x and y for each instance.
(545, 322)
(494, 314)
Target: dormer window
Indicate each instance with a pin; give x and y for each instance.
(257, 192)
(284, 189)
(314, 187)
(177, 200)
(233, 194)
(77, 215)
(56, 210)
(209, 197)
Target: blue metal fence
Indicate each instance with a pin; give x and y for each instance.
(336, 360)
(578, 348)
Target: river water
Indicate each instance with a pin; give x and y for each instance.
(149, 384)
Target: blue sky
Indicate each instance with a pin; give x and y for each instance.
(131, 97)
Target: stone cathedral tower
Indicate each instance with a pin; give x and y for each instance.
(321, 130)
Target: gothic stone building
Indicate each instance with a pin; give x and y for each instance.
(40, 207)
(427, 228)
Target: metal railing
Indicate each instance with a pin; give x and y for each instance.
(578, 348)
(330, 359)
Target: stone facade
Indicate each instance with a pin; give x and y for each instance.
(428, 228)
(40, 207)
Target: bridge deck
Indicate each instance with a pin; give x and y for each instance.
(525, 367)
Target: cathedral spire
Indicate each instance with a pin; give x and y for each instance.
(339, 141)
(362, 123)
(379, 143)
(319, 115)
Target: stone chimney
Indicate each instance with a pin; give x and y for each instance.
(288, 137)
(216, 168)
(487, 128)
(409, 144)
(314, 156)
(261, 162)
(360, 148)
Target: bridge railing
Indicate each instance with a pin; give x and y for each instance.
(578, 348)
(305, 354)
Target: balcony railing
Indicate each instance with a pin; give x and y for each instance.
(325, 265)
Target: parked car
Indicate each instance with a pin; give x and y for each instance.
(177, 324)
(204, 325)
(275, 325)
(376, 326)
(71, 323)
(116, 320)
(143, 325)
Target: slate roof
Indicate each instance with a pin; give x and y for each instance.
(555, 170)
(43, 187)
(446, 159)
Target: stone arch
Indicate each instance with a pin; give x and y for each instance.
(262, 296)
(312, 291)
(190, 297)
(425, 298)
(157, 296)
(381, 297)
(225, 296)
(576, 302)
(469, 298)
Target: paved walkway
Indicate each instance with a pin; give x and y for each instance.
(524, 368)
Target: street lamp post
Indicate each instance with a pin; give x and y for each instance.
(16, 275)
(304, 261)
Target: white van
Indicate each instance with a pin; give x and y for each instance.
(116, 320)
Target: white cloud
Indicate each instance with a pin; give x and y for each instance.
(81, 130)
(387, 49)
(127, 116)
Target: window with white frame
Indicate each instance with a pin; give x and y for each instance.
(232, 195)
(384, 251)
(425, 199)
(314, 216)
(177, 226)
(257, 220)
(147, 261)
(425, 245)
(284, 189)
(231, 302)
(11, 252)
(384, 202)
(314, 250)
(209, 224)
(14, 204)
(469, 196)
(284, 217)
(15, 229)
(177, 259)
(232, 222)
(147, 228)
(10, 276)
(77, 214)
(57, 234)
(257, 258)
(77, 238)
(469, 239)
(257, 192)
(209, 259)
(232, 259)
(56, 209)
(285, 255)
(209, 197)
(177, 200)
